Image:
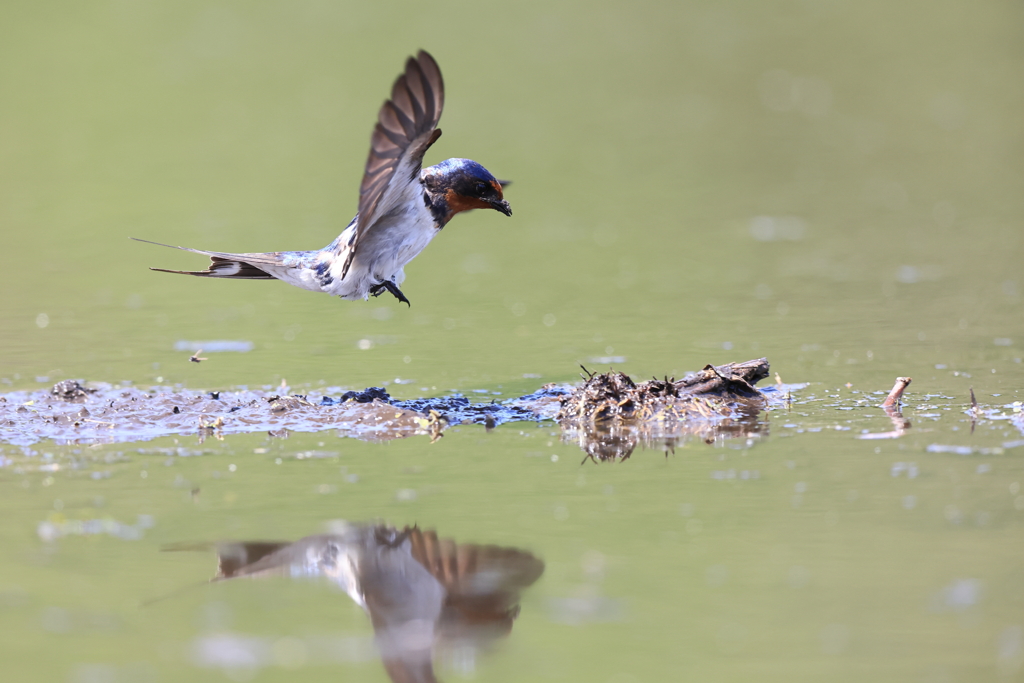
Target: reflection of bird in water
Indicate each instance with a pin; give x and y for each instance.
(401, 207)
(423, 594)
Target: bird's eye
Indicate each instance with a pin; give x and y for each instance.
(481, 188)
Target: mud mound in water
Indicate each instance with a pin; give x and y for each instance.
(610, 414)
(714, 391)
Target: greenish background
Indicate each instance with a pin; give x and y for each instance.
(838, 186)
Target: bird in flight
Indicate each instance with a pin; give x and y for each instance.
(402, 206)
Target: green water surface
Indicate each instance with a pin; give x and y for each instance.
(836, 185)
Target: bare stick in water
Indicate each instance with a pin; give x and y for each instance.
(893, 399)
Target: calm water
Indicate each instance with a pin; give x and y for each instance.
(838, 186)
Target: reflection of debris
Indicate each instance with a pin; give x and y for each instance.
(434, 425)
(215, 424)
(211, 428)
(891, 406)
(974, 412)
(617, 441)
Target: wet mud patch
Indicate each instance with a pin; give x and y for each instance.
(101, 413)
(72, 412)
(607, 416)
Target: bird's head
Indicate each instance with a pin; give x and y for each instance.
(463, 184)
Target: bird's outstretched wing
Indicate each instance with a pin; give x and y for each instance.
(406, 128)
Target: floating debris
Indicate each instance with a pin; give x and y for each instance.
(610, 414)
(891, 406)
(368, 395)
(894, 397)
(70, 390)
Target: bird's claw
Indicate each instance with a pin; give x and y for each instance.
(389, 286)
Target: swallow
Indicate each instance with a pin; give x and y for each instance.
(402, 206)
(424, 595)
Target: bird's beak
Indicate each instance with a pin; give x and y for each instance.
(501, 205)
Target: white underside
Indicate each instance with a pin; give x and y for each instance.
(394, 240)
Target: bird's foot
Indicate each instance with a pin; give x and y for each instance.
(390, 286)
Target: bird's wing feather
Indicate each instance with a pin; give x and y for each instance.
(406, 128)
